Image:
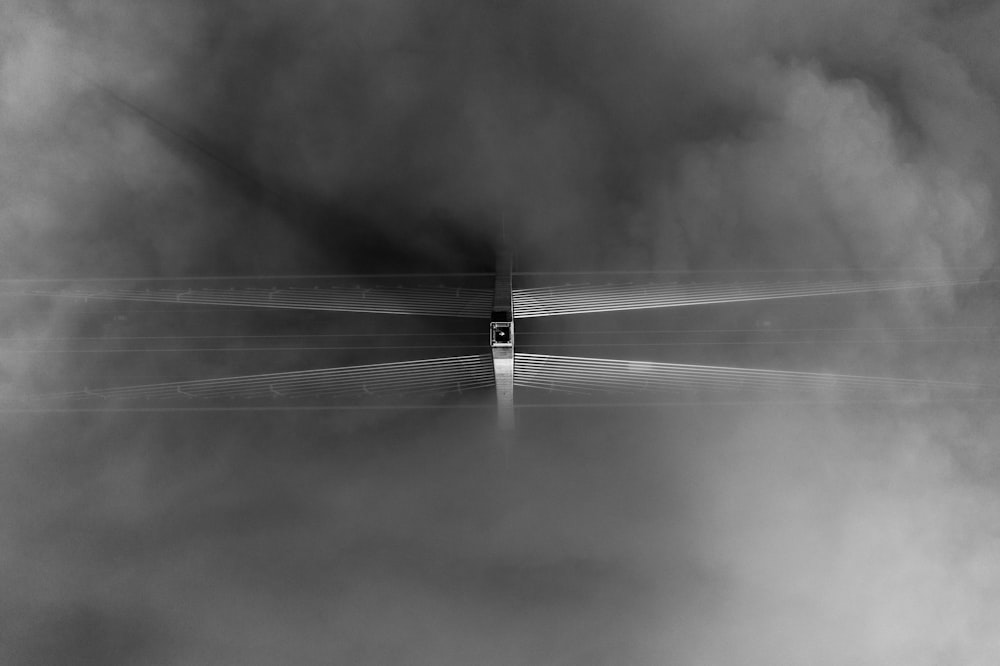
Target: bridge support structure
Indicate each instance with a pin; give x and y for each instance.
(502, 341)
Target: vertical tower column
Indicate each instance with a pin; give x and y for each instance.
(502, 341)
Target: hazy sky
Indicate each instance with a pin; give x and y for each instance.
(693, 135)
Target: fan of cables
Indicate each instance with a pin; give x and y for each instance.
(436, 375)
(584, 299)
(599, 375)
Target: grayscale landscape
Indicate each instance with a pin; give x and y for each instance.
(494, 332)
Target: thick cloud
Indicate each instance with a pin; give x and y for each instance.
(151, 139)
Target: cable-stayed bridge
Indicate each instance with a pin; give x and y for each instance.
(498, 365)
